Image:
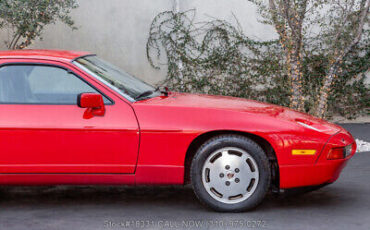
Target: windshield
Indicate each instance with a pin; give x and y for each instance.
(116, 78)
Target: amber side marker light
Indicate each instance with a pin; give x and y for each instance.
(303, 152)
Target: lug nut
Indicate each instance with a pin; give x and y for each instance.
(237, 180)
(237, 170)
(222, 175)
(227, 167)
(227, 183)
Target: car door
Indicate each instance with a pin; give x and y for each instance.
(42, 130)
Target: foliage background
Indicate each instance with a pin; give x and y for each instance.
(27, 18)
(215, 57)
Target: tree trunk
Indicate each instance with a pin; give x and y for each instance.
(296, 99)
(322, 100)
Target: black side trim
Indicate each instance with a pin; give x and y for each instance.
(79, 100)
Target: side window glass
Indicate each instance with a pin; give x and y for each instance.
(37, 84)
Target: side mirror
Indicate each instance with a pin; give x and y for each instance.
(93, 103)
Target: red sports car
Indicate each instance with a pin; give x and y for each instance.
(71, 118)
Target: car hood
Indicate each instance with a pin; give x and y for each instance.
(251, 107)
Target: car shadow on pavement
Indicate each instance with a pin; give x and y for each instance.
(176, 197)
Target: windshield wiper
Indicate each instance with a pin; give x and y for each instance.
(150, 92)
(144, 94)
(165, 91)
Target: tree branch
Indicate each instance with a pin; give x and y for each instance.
(362, 18)
(15, 42)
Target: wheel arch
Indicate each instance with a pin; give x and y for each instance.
(262, 142)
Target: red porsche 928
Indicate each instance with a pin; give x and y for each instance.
(71, 118)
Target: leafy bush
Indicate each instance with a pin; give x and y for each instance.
(28, 18)
(215, 57)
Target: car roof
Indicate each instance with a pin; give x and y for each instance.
(59, 55)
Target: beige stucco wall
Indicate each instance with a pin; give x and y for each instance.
(117, 30)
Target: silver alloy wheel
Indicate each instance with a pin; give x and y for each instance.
(230, 175)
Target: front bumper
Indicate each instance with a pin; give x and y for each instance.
(323, 171)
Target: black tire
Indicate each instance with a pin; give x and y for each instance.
(249, 146)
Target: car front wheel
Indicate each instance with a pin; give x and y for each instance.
(230, 173)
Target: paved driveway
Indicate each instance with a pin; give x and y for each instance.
(342, 205)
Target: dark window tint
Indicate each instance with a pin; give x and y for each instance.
(37, 84)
